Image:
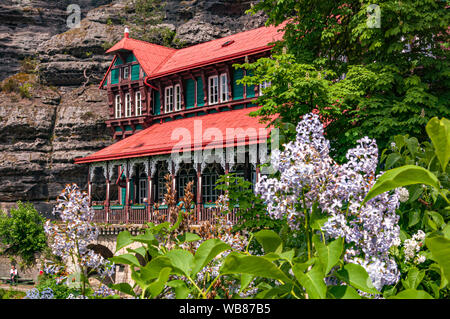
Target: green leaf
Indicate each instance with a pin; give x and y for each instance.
(412, 294)
(140, 250)
(356, 276)
(146, 238)
(181, 290)
(188, 237)
(343, 292)
(181, 260)
(329, 255)
(158, 285)
(439, 133)
(401, 176)
(414, 278)
(206, 252)
(269, 240)
(391, 159)
(153, 268)
(437, 218)
(256, 266)
(124, 239)
(312, 281)
(124, 288)
(127, 259)
(440, 249)
(246, 279)
(317, 218)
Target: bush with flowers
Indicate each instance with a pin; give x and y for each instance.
(348, 216)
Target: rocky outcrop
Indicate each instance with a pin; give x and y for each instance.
(64, 116)
(40, 137)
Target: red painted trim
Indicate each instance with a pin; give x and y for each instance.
(107, 72)
(153, 87)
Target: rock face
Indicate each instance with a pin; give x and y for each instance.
(64, 116)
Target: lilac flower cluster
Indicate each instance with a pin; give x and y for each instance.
(308, 175)
(34, 293)
(70, 239)
(103, 291)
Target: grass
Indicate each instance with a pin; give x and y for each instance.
(11, 294)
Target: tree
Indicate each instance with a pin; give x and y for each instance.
(365, 78)
(22, 233)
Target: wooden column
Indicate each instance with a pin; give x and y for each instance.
(107, 199)
(199, 190)
(127, 194)
(149, 196)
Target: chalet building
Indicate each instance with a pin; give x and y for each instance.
(177, 111)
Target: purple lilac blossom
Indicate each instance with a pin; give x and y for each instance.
(309, 175)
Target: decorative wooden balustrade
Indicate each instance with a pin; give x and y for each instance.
(141, 214)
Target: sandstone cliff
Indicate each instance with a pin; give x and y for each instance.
(62, 114)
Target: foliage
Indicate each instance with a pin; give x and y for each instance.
(22, 232)
(145, 20)
(425, 255)
(11, 294)
(375, 81)
(251, 210)
(69, 239)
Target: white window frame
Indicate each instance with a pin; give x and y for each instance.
(126, 73)
(168, 99)
(138, 103)
(223, 87)
(142, 190)
(264, 85)
(213, 90)
(177, 97)
(127, 105)
(118, 106)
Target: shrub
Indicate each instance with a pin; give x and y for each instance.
(22, 232)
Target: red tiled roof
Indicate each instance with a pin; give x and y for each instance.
(194, 133)
(157, 60)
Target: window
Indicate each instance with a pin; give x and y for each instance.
(168, 105)
(223, 88)
(177, 97)
(127, 105)
(126, 73)
(213, 90)
(264, 85)
(142, 190)
(118, 107)
(161, 187)
(138, 103)
(209, 178)
(186, 174)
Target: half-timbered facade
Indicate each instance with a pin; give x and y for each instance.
(177, 111)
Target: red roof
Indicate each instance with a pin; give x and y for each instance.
(157, 60)
(193, 133)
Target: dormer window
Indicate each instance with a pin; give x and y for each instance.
(126, 73)
(118, 107)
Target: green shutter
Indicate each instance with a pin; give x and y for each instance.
(238, 89)
(135, 72)
(190, 93)
(251, 88)
(200, 95)
(114, 76)
(157, 104)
